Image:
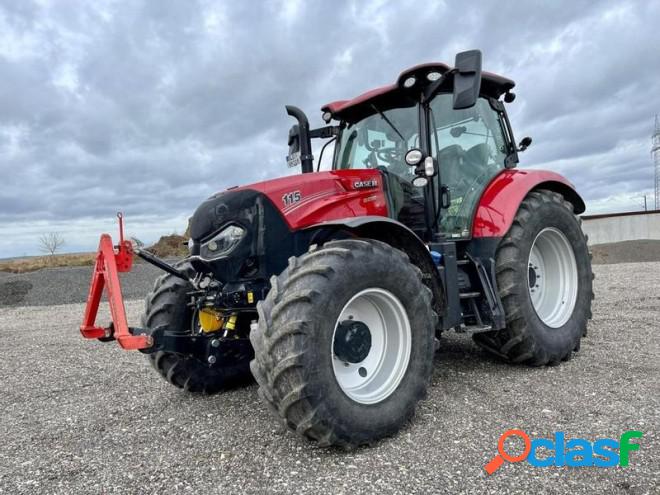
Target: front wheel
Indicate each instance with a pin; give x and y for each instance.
(344, 346)
(544, 278)
(168, 307)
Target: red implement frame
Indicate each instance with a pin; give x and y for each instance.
(109, 262)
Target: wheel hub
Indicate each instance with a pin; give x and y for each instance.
(352, 341)
(371, 346)
(532, 276)
(552, 277)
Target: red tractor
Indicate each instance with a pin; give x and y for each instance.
(332, 288)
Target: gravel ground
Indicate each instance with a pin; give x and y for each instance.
(85, 417)
(68, 285)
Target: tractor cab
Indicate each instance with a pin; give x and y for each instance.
(468, 148)
(438, 135)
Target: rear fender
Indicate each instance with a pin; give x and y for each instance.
(500, 201)
(396, 235)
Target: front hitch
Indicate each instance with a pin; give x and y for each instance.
(210, 348)
(110, 261)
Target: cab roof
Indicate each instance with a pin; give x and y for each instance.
(395, 95)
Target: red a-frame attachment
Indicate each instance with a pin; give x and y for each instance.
(109, 262)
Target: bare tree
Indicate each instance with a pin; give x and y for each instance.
(50, 243)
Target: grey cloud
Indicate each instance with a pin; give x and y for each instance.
(151, 106)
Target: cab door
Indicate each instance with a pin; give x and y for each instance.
(471, 147)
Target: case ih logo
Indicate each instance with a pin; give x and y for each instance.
(363, 184)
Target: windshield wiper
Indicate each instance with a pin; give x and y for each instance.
(388, 122)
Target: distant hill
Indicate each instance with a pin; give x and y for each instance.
(168, 246)
(33, 263)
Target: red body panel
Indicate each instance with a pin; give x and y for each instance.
(500, 201)
(326, 196)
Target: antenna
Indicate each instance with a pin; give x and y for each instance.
(655, 152)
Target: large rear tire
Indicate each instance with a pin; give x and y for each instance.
(167, 307)
(345, 342)
(545, 279)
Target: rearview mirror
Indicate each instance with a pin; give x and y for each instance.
(467, 79)
(524, 143)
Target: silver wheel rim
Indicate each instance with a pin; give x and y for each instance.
(378, 375)
(552, 277)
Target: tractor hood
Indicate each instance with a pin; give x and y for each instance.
(299, 200)
(242, 229)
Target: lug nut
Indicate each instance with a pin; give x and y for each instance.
(212, 359)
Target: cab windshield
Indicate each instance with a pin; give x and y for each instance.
(380, 141)
(469, 146)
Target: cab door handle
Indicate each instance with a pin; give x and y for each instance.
(445, 197)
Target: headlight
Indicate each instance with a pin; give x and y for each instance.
(413, 157)
(223, 242)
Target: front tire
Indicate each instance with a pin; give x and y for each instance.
(167, 307)
(367, 295)
(544, 277)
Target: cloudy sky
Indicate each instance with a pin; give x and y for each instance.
(149, 107)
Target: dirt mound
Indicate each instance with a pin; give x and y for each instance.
(626, 252)
(170, 246)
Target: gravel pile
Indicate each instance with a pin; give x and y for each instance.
(85, 417)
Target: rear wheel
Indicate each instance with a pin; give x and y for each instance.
(544, 277)
(167, 307)
(344, 347)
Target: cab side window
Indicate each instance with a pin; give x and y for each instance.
(470, 148)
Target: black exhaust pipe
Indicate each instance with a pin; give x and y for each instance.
(304, 140)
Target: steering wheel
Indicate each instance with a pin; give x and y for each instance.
(389, 155)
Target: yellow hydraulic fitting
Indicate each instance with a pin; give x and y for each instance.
(230, 324)
(210, 320)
